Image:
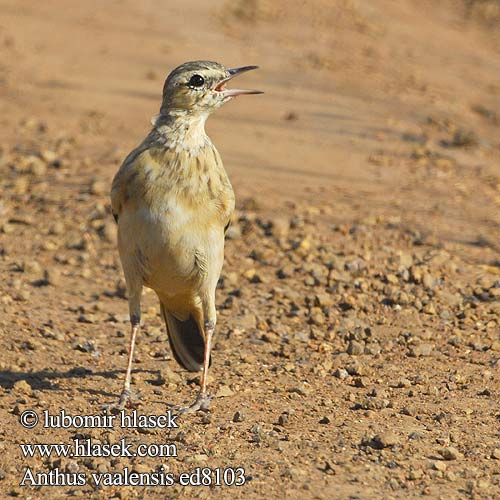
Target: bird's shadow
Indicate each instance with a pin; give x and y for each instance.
(47, 380)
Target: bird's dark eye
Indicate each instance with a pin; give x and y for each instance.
(196, 81)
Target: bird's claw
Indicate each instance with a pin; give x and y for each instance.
(201, 403)
(126, 401)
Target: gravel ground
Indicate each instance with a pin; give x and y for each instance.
(358, 335)
(363, 354)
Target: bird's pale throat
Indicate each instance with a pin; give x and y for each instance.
(182, 131)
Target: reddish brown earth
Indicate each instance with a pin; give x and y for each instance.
(358, 332)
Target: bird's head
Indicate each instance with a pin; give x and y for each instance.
(199, 87)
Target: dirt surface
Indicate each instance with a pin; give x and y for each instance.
(358, 333)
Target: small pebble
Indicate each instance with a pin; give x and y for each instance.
(283, 419)
(419, 350)
(355, 348)
(239, 416)
(341, 373)
(386, 439)
(439, 465)
(450, 453)
(22, 387)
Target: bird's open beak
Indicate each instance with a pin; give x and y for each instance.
(220, 87)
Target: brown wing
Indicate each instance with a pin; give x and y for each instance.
(122, 181)
(131, 180)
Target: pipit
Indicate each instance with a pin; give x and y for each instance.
(172, 201)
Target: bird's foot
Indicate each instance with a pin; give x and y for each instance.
(201, 403)
(126, 401)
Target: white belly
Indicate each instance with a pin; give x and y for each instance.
(174, 251)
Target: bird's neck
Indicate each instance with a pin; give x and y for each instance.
(181, 131)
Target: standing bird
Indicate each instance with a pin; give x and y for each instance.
(172, 201)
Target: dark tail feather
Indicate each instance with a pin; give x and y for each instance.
(186, 341)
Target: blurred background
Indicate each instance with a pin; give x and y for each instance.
(393, 105)
(358, 336)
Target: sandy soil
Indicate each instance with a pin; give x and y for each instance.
(359, 331)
